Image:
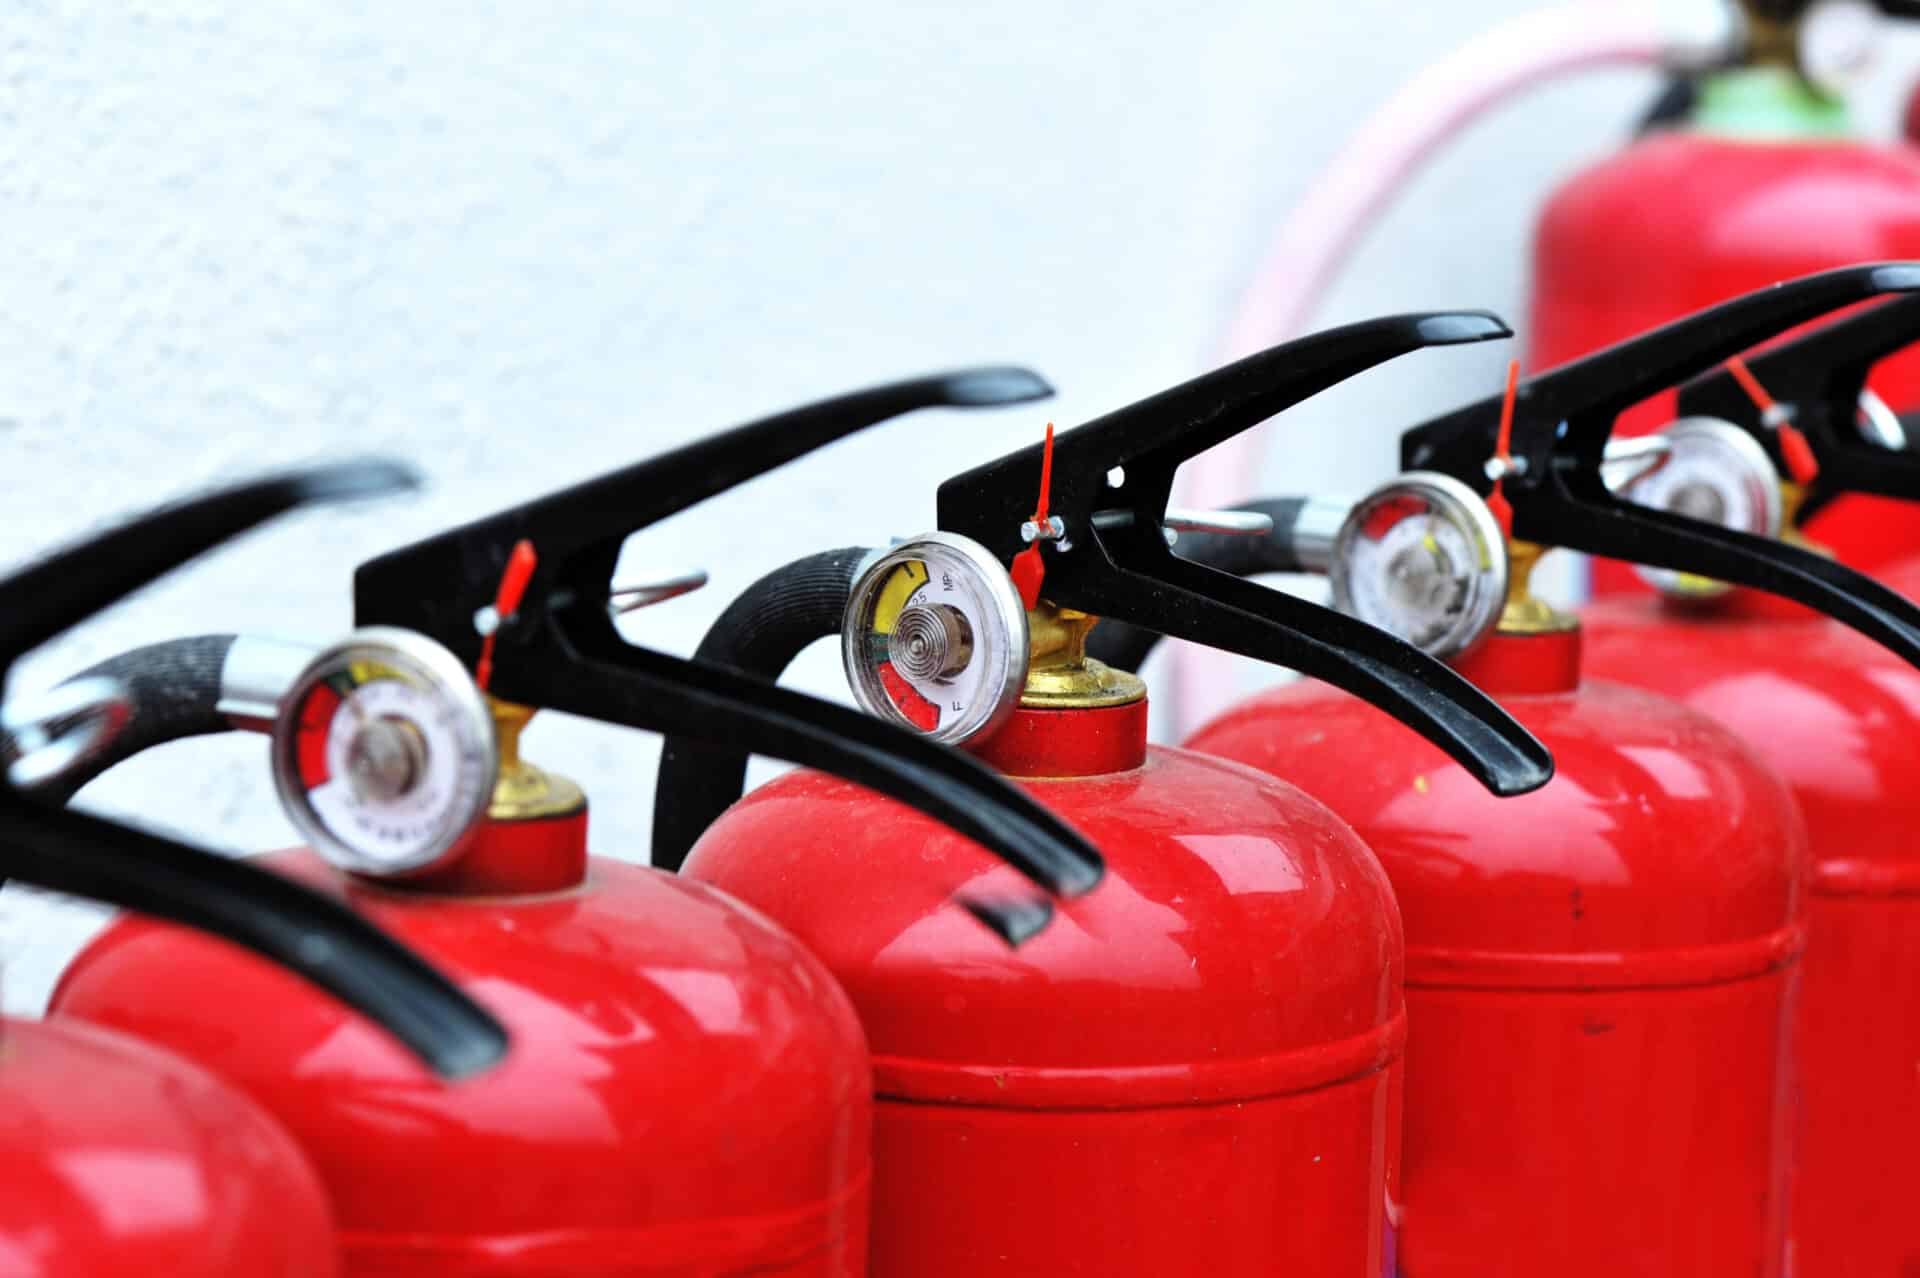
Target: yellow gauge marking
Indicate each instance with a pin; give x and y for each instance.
(365, 672)
(1689, 583)
(901, 583)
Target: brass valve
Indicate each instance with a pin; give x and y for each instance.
(521, 791)
(1792, 497)
(1061, 676)
(1525, 612)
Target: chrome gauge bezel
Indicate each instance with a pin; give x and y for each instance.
(463, 708)
(1466, 511)
(1000, 635)
(1736, 458)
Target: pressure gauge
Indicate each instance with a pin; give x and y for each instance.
(1716, 473)
(1422, 558)
(935, 638)
(384, 754)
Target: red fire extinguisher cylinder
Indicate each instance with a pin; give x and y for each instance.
(1205, 1048)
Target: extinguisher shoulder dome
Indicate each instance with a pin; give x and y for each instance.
(1837, 717)
(672, 1053)
(1663, 852)
(1680, 221)
(1261, 948)
(123, 1158)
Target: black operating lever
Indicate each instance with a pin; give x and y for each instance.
(1120, 567)
(1818, 379)
(312, 935)
(1562, 420)
(560, 649)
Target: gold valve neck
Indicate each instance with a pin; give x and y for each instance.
(1792, 497)
(1061, 676)
(1525, 612)
(1773, 34)
(521, 791)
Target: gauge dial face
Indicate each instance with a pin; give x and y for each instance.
(1422, 558)
(935, 638)
(384, 754)
(1715, 473)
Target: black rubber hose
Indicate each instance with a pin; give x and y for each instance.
(174, 691)
(760, 633)
(1125, 647)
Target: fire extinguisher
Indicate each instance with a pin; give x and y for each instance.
(1628, 936)
(1762, 179)
(1840, 720)
(1203, 1049)
(1756, 176)
(691, 1089)
(120, 1157)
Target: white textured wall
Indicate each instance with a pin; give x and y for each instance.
(520, 249)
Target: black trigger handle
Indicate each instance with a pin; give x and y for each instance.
(1820, 377)
(1565, 415)
(297, 928)
(66, 587)
(435, 586)
(1200, 604)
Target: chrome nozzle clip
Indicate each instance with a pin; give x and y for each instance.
(1120, 566)
(1563, 420)
(312, 935)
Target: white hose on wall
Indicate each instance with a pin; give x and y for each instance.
(1344, 201)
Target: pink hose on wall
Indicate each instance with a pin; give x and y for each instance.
(1322, 231)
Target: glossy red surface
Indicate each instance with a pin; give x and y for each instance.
(514, 858)
(1184, 1074)
(1902, 575)
(1678, 222)
(687, 1090)
(119, 1160)
(1599, 973)
(1839, 717)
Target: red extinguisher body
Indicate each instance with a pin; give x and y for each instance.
(1902, 575)
(1839, 718)
(1599, 974)
(687, 1091)
(124, 1161)
(1186, 1072)
(1681, 221)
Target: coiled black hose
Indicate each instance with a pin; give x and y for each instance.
(760, 633)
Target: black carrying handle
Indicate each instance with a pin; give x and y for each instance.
(562, 642)
(1124, 570)
(1126, 646)
(621, 684)
(288, 924)
(64, 589)
(1562, 420)
(284, 922)
(1819, 377)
